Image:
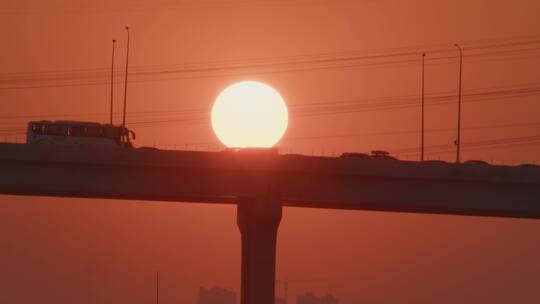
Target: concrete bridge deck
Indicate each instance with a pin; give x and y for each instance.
(295, 180)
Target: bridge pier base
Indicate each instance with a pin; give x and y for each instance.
(258, 220)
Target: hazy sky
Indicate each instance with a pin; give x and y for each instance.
(335, 63)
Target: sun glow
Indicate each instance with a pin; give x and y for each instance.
(249, 114)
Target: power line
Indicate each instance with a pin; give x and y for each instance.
(484, 92)
(282, 68)
(386, 133)
(329, 107)
(474, 145)
(290, 66)
(416, 49)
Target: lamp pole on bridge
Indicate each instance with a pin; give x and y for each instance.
(423, 106)
(458, 140)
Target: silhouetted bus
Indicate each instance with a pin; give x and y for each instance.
(78, 133)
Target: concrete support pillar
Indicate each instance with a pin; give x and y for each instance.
(258, 220)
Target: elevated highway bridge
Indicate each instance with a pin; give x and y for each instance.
(261, 182)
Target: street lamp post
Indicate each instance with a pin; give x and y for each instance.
(458, 140)
(423, 104)
(126, 80)
(112, 83)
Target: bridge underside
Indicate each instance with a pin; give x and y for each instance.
(260, 182)
(222, 177)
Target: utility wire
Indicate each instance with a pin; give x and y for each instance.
(198, 116)
(471, 94)
(19, 82)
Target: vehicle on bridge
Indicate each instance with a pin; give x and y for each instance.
(383, 155)
(78, 133)
(375, 154)
(355, 155)
(476, 162)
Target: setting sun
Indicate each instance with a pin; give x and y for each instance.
(249, 114)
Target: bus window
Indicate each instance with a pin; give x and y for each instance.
(112, 132)
(37, 128)
(94, 131)
(57, 130)
(44, 129)
(76, 131)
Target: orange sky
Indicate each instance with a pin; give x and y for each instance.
(68, 250)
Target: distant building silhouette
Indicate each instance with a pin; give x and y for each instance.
(280, 301)
(311, 298)
(216, 295)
